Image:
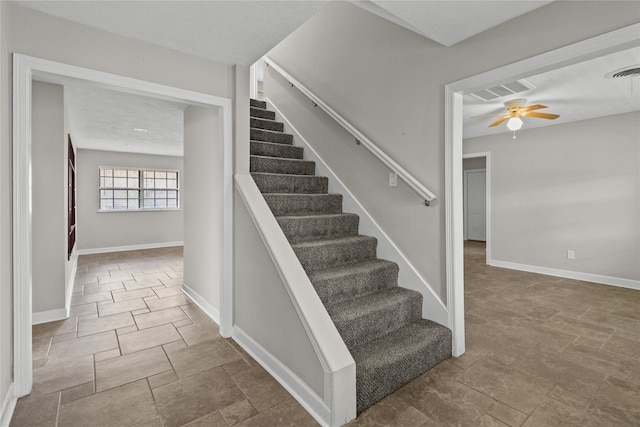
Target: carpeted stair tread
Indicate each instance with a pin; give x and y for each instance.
(256, 103)
(270, 136)
(391, 361)
(279, 183)
(259, 123)
(273, 149)
(296, 204)
(306, 227)
(262, 113)
(346, 282)
(281, 166)
(324, 253)
(367, 318)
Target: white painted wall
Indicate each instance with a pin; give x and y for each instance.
(574, 186)
(202, 197)
(389, 82)
(6, 300)
(49, 197)
(100, 230)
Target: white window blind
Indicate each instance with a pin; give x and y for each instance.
(138, 189)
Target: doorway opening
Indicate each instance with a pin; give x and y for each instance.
(28, 69)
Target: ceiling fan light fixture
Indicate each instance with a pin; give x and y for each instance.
(514, 123)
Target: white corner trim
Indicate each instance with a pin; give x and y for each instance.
(129, 248)
(308, 398)
(433, 308)
(567, 274)
(72, 281)
(8, 406)
(209, 310)
(49, 316)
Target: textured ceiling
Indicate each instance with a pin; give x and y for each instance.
(576, 92)
(103, 119)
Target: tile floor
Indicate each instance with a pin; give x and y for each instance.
(541, 351)
(137, 352)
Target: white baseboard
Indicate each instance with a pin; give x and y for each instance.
(49, 316)
(576, 275)
(300, 391)
(8, 406)
(432, 308)
(204, 305)
(129, 248)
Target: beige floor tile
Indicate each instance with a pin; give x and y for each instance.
(187, 361)
(114, 372)
(623, 346)
(161, 379)
(286, 414)
(554, 413)
(506, 384)
(391, 411)
(108, 287)
(126, 306)
(238, 412)
(132, 285)
(161, 317)
(60, 375)
(147, 338)
(85, 299)
(77, 392)
(135, 294)
(83, 310)
(50, 329)
(260, 388)
(83, 346)
(168, 302)
(212, 420)
(197, 333)
(127, 405)
(102, 324)
(41, 411)
(193, 397)
(164, 292)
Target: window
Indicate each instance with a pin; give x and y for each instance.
(137, 189)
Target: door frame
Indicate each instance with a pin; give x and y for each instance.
(487, 168)
(614, 41)
(25, 70)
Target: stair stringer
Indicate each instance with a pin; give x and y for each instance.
(408, 277)
(337, 405)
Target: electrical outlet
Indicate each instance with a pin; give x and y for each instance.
(393, 179)
(571, 255)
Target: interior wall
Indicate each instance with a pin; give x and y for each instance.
(573, 186)
(49, 219)
(389, 81)
(203, 199)
(6, 294)
(99, 230)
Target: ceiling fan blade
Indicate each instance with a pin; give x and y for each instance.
(497, 122)
(487, 115)
(533, 107)
(542, 115)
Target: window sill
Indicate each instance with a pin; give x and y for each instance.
(137, 210)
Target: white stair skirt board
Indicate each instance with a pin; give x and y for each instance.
(209, 310)
(129, 248)
(433, 308)
(308, 398)
(575, 275)
(8, 406)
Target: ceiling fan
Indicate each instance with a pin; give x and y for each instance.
(514, 111)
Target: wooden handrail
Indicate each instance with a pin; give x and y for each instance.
(361, 139)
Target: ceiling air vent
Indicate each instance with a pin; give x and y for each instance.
(505, 89)
(633, 71)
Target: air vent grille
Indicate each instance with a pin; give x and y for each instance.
(505, 89)
(625, 72)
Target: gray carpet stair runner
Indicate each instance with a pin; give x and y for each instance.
(380, 322)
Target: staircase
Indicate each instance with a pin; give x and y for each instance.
(380, 322)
